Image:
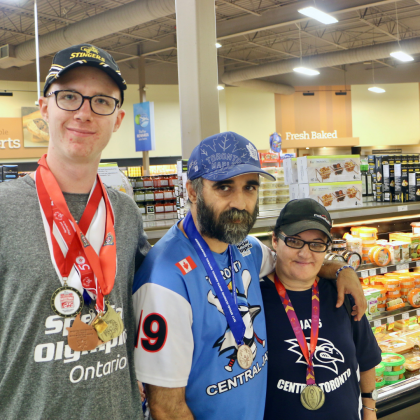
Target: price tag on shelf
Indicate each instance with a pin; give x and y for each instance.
(377, 323)
(402, 267)
(364, 274)
(384, 270)
(402, 208)
(406, 315)
(418, 312)
(390, 326)
(372, 272)
(417, 263)
(390, 320)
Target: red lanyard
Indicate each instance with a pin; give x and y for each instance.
(80, 252)
(297, 329)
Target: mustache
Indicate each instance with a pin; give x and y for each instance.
(235, 216)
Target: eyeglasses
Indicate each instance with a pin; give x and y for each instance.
(70, 100)
(296, 243)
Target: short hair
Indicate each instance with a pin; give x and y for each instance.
(197, 185)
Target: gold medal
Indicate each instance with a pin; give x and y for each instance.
(108, 326)
(312, 397)
(67, 301)
(244, 356)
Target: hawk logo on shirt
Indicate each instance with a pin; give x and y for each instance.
(326, 355)
(186, 265)
(226, 342)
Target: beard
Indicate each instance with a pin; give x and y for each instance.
(231, 227)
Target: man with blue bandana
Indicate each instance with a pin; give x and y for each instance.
(201, 338)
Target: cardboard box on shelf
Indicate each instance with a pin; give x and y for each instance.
(294, 191)
(290, 171)
(334, 195)
(340, 168)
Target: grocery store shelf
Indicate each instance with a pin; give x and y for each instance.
(389, 317)
(269, 214)
(396, 397)
(368, 270)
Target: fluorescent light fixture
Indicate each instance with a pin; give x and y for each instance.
(402, 56)
(316, 14)
(341, 93)
(218, 45)
(308, 93)
(376, 89)
(305, 70)
(6, 93)
(220, 87)
(307, 148)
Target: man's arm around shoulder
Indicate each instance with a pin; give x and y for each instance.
(168, 403)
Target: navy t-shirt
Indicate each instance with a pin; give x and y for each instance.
(344, 349)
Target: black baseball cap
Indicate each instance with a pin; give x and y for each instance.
(304, 214)
(84, 55)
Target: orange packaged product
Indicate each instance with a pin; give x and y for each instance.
(381, 256)
(382, 289)
(392, 275)
(367, 232)
(413, 298)
(391, 283)
(394, 304)
(405, 291)
(382, 299)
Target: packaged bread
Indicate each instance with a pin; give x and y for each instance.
(393, 344)
(412, 362)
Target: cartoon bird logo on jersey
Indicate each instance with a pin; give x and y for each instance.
(226, 343)
(326, 354)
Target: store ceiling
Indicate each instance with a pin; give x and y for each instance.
(252, 32)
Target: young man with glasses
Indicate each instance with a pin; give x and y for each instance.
(69, 247)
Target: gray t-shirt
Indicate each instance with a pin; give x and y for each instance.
(40, 376)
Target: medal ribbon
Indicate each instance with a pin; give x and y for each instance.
(226, 299)
(297, 329)
(56, 210)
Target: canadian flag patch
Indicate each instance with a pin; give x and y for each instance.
(186, 265)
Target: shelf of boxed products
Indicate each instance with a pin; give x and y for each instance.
(369, 211)
(155, 197)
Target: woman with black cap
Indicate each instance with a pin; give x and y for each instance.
(320, 359)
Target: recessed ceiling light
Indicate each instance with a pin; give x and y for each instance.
(316, 14)
(307, 148)
(218, 45)
(305, 70)
(402, 56)
(376, 89)
(220, 87)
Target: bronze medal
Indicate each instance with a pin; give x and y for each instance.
(67, 301)
(244, 356)
(312, 397)
(82, 337)
(108, 326)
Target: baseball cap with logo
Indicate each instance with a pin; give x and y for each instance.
(84, 55)
(225, 156)
(304, 214)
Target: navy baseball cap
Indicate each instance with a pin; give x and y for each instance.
(84, 55)
(304, 214)
(225, 156)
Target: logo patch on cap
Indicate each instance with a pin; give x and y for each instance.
(253, 152)
(90, 51)
(321, 216)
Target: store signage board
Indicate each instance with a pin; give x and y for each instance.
(12, 142)
(312, 135)
(144, 126)
(111, 176)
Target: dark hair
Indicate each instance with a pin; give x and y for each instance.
(197, 185)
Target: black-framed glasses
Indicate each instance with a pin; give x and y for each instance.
(70, 100)
(297, 243)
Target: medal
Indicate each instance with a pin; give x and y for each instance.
(67, 301)
(108, 326)
(82, 337)
(312, 397)
(244, 356)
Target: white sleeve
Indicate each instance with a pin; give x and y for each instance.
(164, 347)
(268, 262)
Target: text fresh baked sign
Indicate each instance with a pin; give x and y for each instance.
(11, 141)
(311, 135)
